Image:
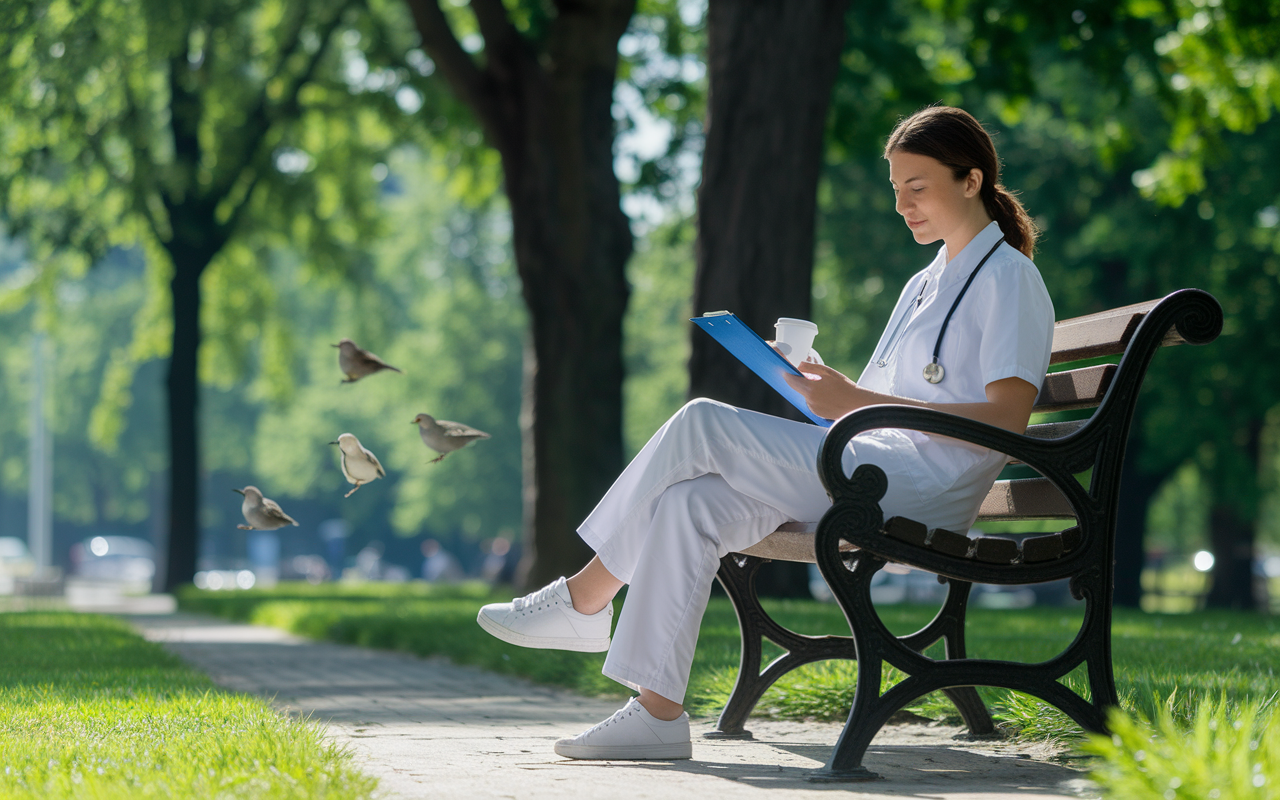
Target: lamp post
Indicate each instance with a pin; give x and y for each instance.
(40, 477)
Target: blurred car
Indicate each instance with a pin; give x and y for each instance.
(115, 559)
(15, 562)
(15, 559)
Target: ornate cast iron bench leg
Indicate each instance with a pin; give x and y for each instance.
(873, 643)
(737, 575)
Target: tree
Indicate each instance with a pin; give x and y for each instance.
(541, 88)
(187, 127)
(771, 67)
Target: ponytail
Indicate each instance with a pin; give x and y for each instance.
(953, 137)
(1003, 206)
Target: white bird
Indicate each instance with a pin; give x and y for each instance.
(261, 514)
(444, 436)
(359, 465)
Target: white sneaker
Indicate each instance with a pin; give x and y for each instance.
(546, 619)
(631, 734)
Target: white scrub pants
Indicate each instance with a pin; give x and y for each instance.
(714, 479)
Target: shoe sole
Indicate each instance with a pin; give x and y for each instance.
(638, 752)
(541, 642)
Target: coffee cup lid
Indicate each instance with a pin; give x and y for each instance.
(803, 323)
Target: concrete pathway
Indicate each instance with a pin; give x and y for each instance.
(429, 728)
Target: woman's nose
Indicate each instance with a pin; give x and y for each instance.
(900, 203)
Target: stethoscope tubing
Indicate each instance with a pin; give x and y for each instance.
(937, 346)
(933, 371)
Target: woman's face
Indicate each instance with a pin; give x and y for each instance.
(933, 203)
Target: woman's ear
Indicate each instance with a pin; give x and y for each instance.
(973, 182)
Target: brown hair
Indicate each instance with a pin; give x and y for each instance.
(953, 137)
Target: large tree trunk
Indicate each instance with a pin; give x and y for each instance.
(572, 242)
(549, 115)
(1232, 533)
(1232, 539)
(1136, 490)
(771, 68)
(183, 405)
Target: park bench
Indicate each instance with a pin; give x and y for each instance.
(853, 540)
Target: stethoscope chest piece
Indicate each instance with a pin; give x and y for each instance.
(933, 371)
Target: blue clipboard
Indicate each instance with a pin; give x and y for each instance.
(747, 346)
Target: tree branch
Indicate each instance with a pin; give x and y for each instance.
(467, 80)
(266, 116)
(260, 114)
(495, 26)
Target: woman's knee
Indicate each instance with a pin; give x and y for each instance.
(701, 411)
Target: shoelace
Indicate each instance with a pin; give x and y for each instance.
(534, 598)
(625, 711)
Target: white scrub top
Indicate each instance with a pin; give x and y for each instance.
(1002, 328)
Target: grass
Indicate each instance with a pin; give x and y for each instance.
(90, 709)
(1226, 751)
(1193, 657)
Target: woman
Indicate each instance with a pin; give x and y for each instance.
(717, 479)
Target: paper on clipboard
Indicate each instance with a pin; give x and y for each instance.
(747, 346)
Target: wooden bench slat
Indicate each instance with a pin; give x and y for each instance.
(1073, 389)
(995, 550)
(1103, 334)
(1041, 548)
(949, 543)
(792, 541)
(1106, 333)
(1026, 498)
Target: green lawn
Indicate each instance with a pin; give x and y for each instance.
(90, 709)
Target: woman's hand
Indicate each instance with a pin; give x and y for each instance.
(828, 393)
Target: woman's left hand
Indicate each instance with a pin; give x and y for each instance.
(829, 394)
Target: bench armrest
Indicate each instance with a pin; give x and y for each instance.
(1056, 459)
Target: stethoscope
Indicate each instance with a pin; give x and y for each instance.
(933, 371)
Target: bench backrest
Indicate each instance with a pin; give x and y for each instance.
(1107, 333)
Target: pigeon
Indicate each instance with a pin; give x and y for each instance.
(358, 464)
(444, 436)
(261, 514)
(356, 362)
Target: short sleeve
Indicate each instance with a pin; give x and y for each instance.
(1017, 331)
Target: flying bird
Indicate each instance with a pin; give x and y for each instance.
(359, 466)
(261, 514)
(444, 436)
(356, 362)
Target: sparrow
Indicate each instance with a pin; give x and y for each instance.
(356, 362)
(261, 514)
(358, 464)
(444, 436)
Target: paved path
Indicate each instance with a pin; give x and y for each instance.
(429, 728)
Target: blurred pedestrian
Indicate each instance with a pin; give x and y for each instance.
(438, 564)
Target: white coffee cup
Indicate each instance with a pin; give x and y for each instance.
(794, 338)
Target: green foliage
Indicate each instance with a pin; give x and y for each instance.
(87, 708)
(1226, 750)
(441, 303)
(103, 463)
(440, 300)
